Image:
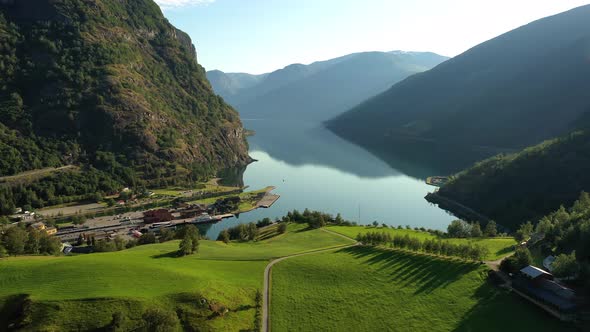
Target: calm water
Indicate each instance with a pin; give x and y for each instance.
(312, 168)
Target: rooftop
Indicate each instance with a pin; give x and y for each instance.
(533, 272)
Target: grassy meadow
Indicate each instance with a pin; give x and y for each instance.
(83, 291)
(498, 246)
(375, 289)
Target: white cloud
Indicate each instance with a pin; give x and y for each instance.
(170, 4)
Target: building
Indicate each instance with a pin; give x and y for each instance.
(160, 215)
(39, 226)
(51, 230)
(539, 287)
(535, 274)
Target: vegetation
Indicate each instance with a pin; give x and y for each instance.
(498, 247)
(190, 242)
(20, 240)
(96, 98)
(123, 287)
(512, 189)
(375, 289)
(442, 248)
(521, 258)
(490, 98)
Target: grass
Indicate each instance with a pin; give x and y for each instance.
(375, 289)
(130, 281)
(498, 247)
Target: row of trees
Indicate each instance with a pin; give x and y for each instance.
(463, 229)
(436, 247)
(241, 232)
(20, 240)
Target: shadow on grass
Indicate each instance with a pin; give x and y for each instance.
(425, 273)
(172, 254)
(499, 310)
(504, 251)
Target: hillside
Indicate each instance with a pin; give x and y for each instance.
(321, 90)
(513, 91)
(515, 188)
(102, 286)
(388, 290)
(82, 82)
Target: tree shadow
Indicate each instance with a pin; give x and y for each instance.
(424, 272)
(171, 254)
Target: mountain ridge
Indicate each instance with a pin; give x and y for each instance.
(504, 92)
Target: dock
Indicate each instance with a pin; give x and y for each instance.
(268, 200)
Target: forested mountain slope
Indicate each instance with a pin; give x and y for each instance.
(321, 90)
(81, 77)
(109, 86)
(525, 186)
(513, 91)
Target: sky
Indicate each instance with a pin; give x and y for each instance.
(258, 36)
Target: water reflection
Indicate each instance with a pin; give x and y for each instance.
(313, 168)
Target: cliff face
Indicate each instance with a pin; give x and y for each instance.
(85, 76)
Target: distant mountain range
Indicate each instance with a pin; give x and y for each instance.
(321, 90)
(515, 90)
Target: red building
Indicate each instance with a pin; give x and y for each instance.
(160, 215)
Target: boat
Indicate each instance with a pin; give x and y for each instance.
(205, 218)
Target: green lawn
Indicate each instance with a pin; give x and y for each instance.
(498, 247)
(134, 279)
(373, 289)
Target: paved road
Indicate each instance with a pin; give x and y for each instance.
(268, 270)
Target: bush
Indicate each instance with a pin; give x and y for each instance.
(282, 228)
(159, 320)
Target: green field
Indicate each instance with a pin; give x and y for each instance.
(498, 247)
(372, 289)
(82, 292)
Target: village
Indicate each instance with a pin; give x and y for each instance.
(135, 216)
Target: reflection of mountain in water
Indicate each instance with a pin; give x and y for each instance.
(298, 143)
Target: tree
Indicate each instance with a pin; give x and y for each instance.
(339, 220)
(458, 228)
(147, 238)
(566, 265)
(375, 223)
(521, 258)
(166, 234)
(119, 243)
(15, 239)
(159, 320)
(524, 232)
(224, 236)
(110, 202)
(50, 244)
(282, 228)
(544, 226)
(33, 245)
(186, 246)
(491, 229)
(476, 230)
(3, 251)
(190, 242)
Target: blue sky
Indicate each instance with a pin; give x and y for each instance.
(257, 36)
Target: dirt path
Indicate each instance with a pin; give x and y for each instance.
(268, 270)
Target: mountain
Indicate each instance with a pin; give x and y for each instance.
(108, 81)
(323, 89)
(510, 92)
(229, 84)
(527, 185)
